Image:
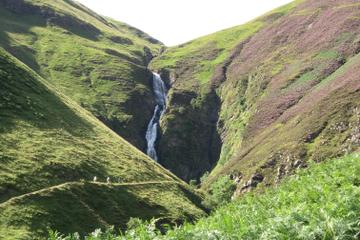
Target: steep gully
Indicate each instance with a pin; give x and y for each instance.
(196, 156)
(192, 138)
(151, 136)
(191, 156)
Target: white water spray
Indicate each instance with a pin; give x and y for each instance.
(160, 91)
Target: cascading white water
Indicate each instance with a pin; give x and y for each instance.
(160, 91)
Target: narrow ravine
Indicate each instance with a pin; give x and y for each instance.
(151, 136)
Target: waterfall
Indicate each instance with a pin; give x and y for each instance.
(160, 91)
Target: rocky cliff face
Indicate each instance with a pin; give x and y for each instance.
(190, 115)
(287, 91)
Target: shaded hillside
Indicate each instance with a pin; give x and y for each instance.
(72, 207)
(47, 140)
(98, 62)
(284, 89)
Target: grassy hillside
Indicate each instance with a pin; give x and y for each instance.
(97, 61)
(51, 148)
(322, 202)
(297, 98)
(264, 97)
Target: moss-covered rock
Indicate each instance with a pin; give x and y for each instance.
(190, 144)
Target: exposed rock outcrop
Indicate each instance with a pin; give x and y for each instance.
(252, 183)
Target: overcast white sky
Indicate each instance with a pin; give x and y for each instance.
(178, 21)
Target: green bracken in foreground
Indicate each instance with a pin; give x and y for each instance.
(322, 202)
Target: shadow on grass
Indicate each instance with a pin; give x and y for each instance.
(195, 199)
(23, 97)
(46, 16)
(80, 207)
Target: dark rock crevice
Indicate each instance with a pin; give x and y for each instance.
(190, 143)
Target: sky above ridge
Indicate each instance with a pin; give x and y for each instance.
(177, 21)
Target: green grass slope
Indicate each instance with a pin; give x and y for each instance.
(99, 62)
(51, 148)
(322, 202)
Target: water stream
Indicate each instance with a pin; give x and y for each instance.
(160, 92)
